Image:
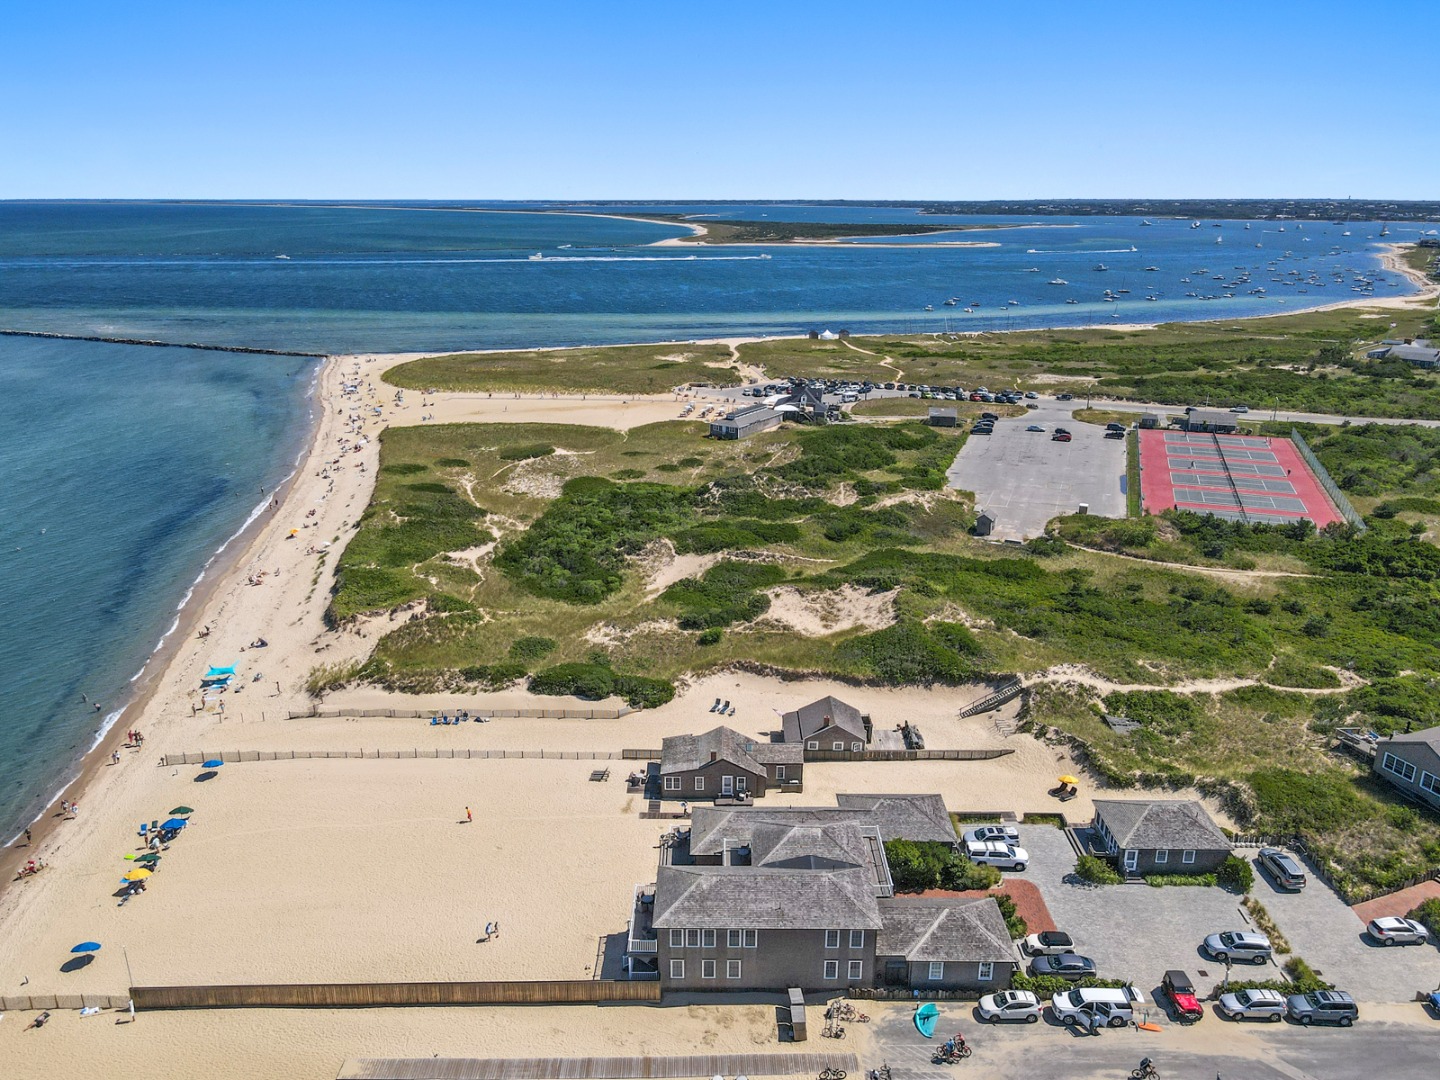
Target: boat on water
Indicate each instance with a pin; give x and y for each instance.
(536, 257)
(285, 257)
(1219, 239)
(1152, 269)
(929, 307)
(1144, 222)
(1058, 281)
(1072, 301)
(1194, 224)
(950, 302)
(1100, 268)
(1032, 270)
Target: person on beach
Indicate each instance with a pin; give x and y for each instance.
(64, 806)
(468, 817)
(27, 837)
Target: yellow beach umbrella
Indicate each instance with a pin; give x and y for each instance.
(139, 874)
(1068, 779)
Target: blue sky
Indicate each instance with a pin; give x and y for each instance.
(841, 99)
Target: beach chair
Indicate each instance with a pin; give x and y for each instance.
(600, 775)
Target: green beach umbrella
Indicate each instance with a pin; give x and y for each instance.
(182, 810)
(149, 859)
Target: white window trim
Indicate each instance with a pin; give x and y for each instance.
(677, 969)
(752, 939)
(1397, 766)
(856, 969)
(1187, 856)
(832, 939)
(987, 971)
(937, 971)
(779, 772)
(857, 939)
(857, 746)
(732, 969)
(699, 783)
(813, 744)
(837, 746)
(1429, 782)
(692, 937)
(1162, 855)
(672, 783)
(677, 939)
(832, 969)
(707, 939)
(707, 969)
(742, 783)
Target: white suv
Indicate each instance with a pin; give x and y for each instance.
(1241, 946)
(997, 853)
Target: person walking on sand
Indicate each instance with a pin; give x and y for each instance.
(468, 817)
(27, 837)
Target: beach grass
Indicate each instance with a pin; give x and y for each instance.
(619, 369)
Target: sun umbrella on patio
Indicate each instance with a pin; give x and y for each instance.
(1067, 779)
(86, 946)
(181, 811)
(213, 763)
(175, 823)
(138, 874)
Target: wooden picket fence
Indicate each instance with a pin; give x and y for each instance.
(367, 995)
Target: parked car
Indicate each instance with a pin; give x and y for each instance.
(1240, 408)
(1253, 1005)
(1010, 1005)
(1064, 436)
(1112, 426)
(1049, 942)
(981, 833)
(1036, 427)
(997, 853)
(1180, 992)
(1031, 394)
(988, 416)
(1284, 869)
(1394, 931)
(1064, 397)
(1241, 946)
(1323, 1006)
(1112, 1006)
(1067, 965)
(1062, 431)
(982, 431)
(1114, 434)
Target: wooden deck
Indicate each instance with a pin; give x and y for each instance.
(596, 1068)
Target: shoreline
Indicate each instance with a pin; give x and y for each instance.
(79, 776)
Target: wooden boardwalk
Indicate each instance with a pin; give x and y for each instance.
(594, 1068)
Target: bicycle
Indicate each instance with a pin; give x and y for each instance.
(882, 1073)
(833, 1074)
(1146, 1071)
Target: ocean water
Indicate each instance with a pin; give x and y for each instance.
(126, 468)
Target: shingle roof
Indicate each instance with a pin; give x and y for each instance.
(1427, 736)
(895, 817)
(685, 753)
(818, 715)
(959, 930)
(1160, 824)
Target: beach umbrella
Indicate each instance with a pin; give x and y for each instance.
(86, 946)
(1068, 779)
(213, 763)
(181, 811)
(175, 823)
(139, 874)
(150, 859)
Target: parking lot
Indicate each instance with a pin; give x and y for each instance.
(1133, 931)
(1024, 478)
(1332, 939)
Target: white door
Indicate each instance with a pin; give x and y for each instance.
(1132, 859)
(727, 785)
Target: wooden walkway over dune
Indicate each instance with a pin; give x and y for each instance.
(594, 1068)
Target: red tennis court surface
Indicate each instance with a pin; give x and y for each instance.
(1239, 477)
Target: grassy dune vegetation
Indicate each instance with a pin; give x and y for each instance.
(619, 369)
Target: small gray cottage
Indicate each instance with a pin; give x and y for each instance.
(1160, 836)
(722, 763)
(944, 944)
(827, 724)
(1411, 762)
(742, 423)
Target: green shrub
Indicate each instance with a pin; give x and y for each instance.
(593, 681)
(628, 474)
(494, 676)
(1303, 977)
(1096, 871)
(1294, 802)
(1014, 921)
(531, 648)
(710, 637)
(1428, 913)
(452, 463)
(724, 594)
(917, 866)
(913, 652)
(1200, 880)
(525, 453)
(1236, 874)
(1047, 986)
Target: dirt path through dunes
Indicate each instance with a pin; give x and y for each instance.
(1083, 676)
(885, 361)
(1224, 573)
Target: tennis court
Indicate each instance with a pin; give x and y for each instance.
(1239, 477)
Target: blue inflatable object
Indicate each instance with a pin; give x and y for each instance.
(926, 1017)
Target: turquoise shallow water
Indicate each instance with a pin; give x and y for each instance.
(125, 468)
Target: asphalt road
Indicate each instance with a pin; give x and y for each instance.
(1024, 478)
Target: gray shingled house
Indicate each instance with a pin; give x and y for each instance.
(1160, 836)
(827, 724)
(1412, 763)
(723, 763)
(771, 898)
(944, 944)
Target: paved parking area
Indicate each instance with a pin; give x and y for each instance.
(1332, 939)
(1024, 478)
(1133, 931)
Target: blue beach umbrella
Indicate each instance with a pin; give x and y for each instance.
(175, 823)
(213, 763)
(86, 946)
